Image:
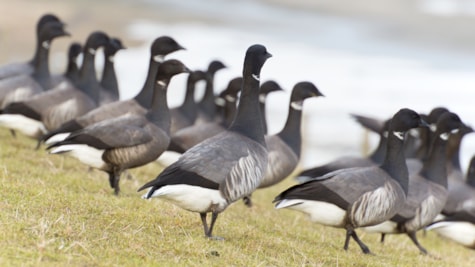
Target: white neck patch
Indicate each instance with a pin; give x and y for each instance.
(92, 51)
(45, 44)
(230, 98)
(220, 101)
(444, 136)
(414, 133)
(454, 131)
(262, 98)
(256, 77)
(298, 105)
(158, 58)
(399, 135)
(386, 134)
(433, 127)
(161, 83)
(111, 58)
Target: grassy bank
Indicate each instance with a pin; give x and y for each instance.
(54, 212)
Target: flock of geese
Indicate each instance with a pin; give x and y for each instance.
(411, 181)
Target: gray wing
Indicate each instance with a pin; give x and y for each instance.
(14, 69)
(190, 136)
(111, 110)
(18, 88)
(231, 160)
(281, 161)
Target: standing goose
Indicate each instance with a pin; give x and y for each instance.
(358, 197)
(207, 106)
(187, 137)
(109, 79)
(224, 168)
(21, 87)
(127, 141)
(284, 147)
(427, 190)
(71, 75)
(161, 47)
(47, 111)
(26, 68)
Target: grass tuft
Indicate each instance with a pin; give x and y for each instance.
(56, 212)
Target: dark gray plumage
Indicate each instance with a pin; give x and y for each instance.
(267, 87)
(427, 189)
(27, 68)
(358, 197)
(224, 168)
(127, 141)
(109, 79)
(71, 75)
(207, 106)
(21, 87)
(161, 47)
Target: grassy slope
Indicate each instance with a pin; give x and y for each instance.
(54, 212)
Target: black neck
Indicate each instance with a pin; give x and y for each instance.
(206, 104)
(262, 107)
(144, 96)
(248, 119)
(159, 114)
(87, 77)
(109, 79)
(453, 150)
(72, 71)
(41, 68)
(189, 106)
(229, 113)
(290, 134)
(434, 168)
(394, 162)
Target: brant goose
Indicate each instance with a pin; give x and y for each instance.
(127, 141)
(21, 87)
(427, 190)
(71, 75)
(109, 79)
(47, 111)
(160, 47)
(284, 147)
(207, 106)
(358, 197)
(26, 68)
(226, 167)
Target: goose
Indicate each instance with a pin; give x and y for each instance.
(458, 227)
(71, 75)
(207, 106)
(27, 68)
(187, 137)
(284, 147)
(21, 87)
(357, 197)
(427, 190)
(127, 141)
(375, 158)
(160, 47)
(47, 111)
(226, 167)
(109, 79)
(185, 115)
(470, 177)
(267, 87)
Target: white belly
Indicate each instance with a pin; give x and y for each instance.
(192, 198)
(57, 138)
(84, 153)
(318, 211)
(25, 125)
(460, 232)
(387, 227)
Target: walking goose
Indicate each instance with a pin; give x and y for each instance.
(27, 68)
(47, 111)
(427, 190)
(21, 87)
(222, 169)
(127, 141)
(207, 106)
(284, 147)
(160, 47)
(358, 197)
(109, 79)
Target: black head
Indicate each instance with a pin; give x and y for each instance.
(52, 30)
(169, 68)
(163, 46)
(113, 46)
(448, 122)
(196, 76)
(269, 87)
(74, 51)
(406, 119)
(233, 88)
(435, 114)
(303, 90)
(45, 19)
(96, 40)
(256, 56)
(214, 66)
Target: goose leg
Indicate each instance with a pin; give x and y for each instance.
(347, 239)
(38, 144)
(413, 237)
(214, 216)
(13, 133)
(205, 224)
(363, 247)
(247, 201)
(114, 178)
(382, 238)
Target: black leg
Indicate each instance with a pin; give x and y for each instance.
(38, 144)
(413, 237)
(114, 179)
(205, 224)
(214, 216)
(247, 201)
(363, 247)
(382, 238)
(13, 133)
(347, 239)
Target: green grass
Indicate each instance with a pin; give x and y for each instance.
(54, 212)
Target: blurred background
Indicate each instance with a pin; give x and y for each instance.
(369, 57)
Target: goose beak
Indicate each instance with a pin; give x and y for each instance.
(181, 47)
(423, 123)
(268, 55)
